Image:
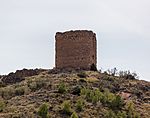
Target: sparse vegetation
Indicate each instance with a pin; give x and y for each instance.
(93, 67)
(37, 84)
(117, 103)
(74, 115)
(99, 95)
(66, 107)
(76, 90)
(7, 92)
(112, 114)
(2, 105)
(43, 111)
(109, 99)
(131, 113)
(80, 104)
(19, 91)
(128, 75)
(82, 74)
(62, 88)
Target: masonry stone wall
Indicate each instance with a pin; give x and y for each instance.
(75, 49)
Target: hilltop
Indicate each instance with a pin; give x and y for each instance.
(72, 94)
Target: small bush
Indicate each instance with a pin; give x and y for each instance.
(7, 92)
(117, 103)
(62, 88)
(43, 111)
(106, 98)
(40, 83)
(80, 104)
(74, 115)
(110, 114)
(131, 113)
(128, 75)
(93, 67)
(19, 91)
(66, 107)
(2, 105)
(121, 114)
(76, 90)
(82, 74)
(37, 84)
(32, 86)
(92, 95)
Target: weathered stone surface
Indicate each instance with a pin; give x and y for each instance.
(75, 49)
(19, 75)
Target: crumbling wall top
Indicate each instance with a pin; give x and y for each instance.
(72, 33)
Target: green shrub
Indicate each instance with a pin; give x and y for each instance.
(93, 67)
(66, 107)
(121, 114)
(7, 92)
(106, 98)
(32, 86)
(92, 95)
(62, 88)
(76, 90)
(128, 75)
(86, 93)
(40, 83)
(80, 104)
(97, 96)
(37, 84)
(2, 105)
(82, 74)
(110, 114)
(43, 111)
(117, 103)
(19, 91)
(131, 113)
(74, 115)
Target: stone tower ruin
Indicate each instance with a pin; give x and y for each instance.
(75, 49)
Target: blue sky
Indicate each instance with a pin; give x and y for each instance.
(28, 27)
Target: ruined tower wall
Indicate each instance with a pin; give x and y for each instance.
(75, 49)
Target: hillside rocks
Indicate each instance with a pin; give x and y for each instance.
(19, 75)
(99, 92)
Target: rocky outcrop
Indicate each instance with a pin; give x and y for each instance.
(19, 75)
